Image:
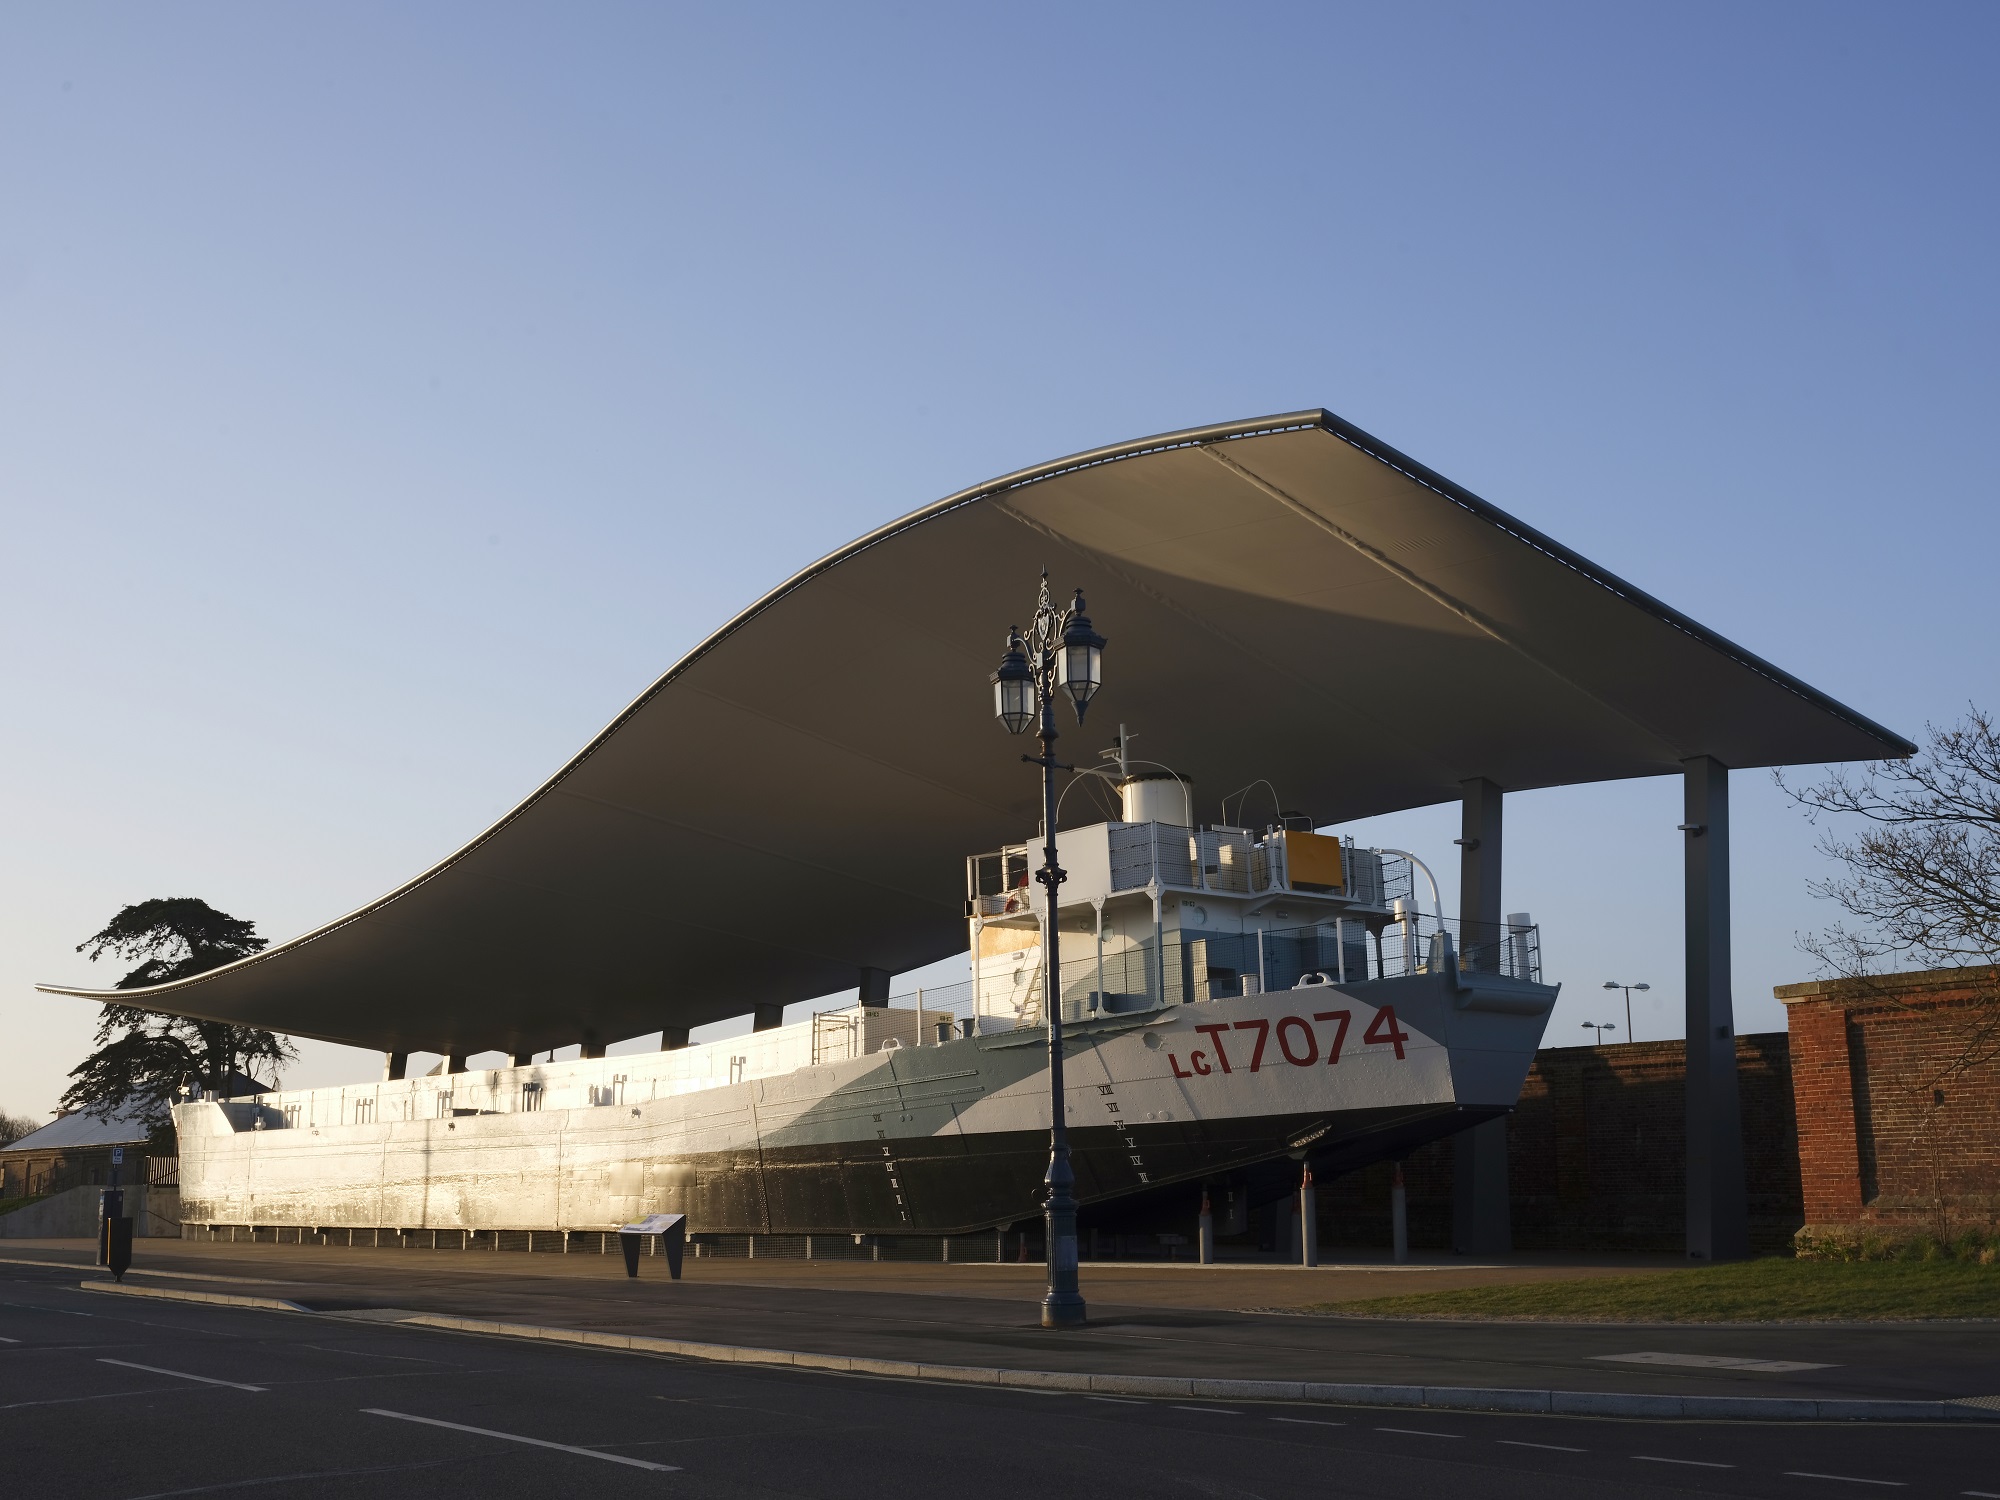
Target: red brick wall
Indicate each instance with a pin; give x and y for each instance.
(1898, 1101)
(1595, 1156)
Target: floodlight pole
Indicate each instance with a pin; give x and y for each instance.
(1612, 984)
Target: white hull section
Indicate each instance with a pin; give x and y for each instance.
(934, 1139)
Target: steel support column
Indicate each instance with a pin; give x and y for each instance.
(1718, 1210)
(394, 1065)
(1481, 1223)
(874, 986)
(768, 1018)
(673, 1038)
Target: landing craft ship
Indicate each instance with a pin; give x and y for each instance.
(782, 814)
(1247, 996)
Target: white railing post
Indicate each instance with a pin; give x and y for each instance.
(1103, 1000)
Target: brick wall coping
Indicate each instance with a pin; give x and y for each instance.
(1880, 984)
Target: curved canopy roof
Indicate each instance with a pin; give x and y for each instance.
(1285, 598)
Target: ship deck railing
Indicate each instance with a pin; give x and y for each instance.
(1188, 967)
(1171, 857)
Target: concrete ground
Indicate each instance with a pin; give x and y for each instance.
(1164, 1320)
(130, 1399)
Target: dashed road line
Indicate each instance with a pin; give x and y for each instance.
(234, 1385)
(1419, 1432)
(151, 1390)
(515, 1437)
(1845, 1479)
(1308, 1422)
(1692, 1463)
(1551, 1447)
(1123, 1400)
(1220, 1411)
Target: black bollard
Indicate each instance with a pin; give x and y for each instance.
(110, 1206)
(118, 1246)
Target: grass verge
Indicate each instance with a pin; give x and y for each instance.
(1774, 1290)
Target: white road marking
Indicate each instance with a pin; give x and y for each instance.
(408, 1359)
(234, 1385)
(1220, 1411)
(1692, 1463)
(253, 1484)
(68, 1400)
(9, 1341)
(1121, 1400)
(1552, 1447)
(1419, 1432)
(1712, 1362)
(1845, 1479)
(1308, 1422)
(514, 1437)
(1982, 1494)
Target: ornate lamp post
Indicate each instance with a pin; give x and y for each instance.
(1060, 654)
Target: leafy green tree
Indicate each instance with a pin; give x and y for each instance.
(142, 1057)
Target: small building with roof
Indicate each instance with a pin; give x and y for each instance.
(74, 1150)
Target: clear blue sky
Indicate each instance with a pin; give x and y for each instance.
(388, 394)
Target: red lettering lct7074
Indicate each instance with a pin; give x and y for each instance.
(1297, 1042)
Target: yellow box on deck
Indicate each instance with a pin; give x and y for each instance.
(1313, 860)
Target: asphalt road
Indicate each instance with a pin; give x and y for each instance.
(117, 1400)
(859, 1315)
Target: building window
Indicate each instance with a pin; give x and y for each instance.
(364, 1112)
(444, 1105)
(531, 1096)
(291, 1117)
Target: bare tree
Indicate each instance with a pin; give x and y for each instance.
(13, 1127)
(1920, 884)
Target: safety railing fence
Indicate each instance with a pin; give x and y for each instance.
(986, 1245)
(1185, 967)
(1513, 950)
(1236, 861)
(1018, 1244)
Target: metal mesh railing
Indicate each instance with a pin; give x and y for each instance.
(1186, 967)
(1236, 861)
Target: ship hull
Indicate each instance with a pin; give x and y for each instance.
(947, 1139)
